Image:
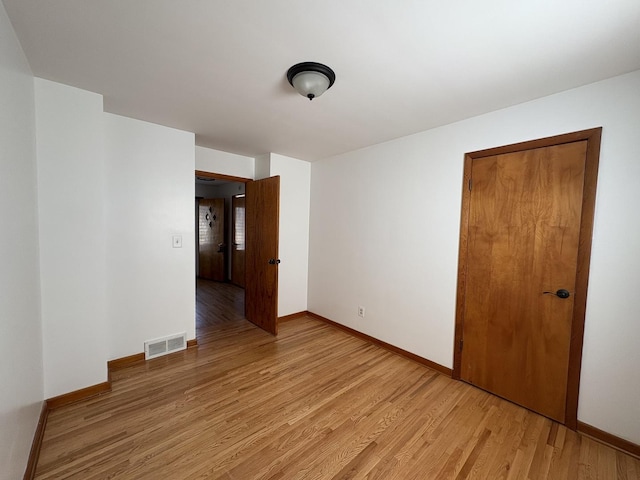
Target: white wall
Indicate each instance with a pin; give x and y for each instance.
(262, 166)
(385, 224)
(209, 160)
(112, 193)
(295, 184)
(149, 198)
(70, 149)
(21, 371)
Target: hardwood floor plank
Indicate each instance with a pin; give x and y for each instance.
(313, 403)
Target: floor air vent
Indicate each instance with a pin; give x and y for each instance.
(163, 346)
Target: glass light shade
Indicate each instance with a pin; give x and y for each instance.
(310, 84)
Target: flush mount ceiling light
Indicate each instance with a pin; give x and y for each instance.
(311, 79)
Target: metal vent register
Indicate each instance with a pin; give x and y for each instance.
(165, 345)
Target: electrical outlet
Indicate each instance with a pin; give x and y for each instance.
(361, 311)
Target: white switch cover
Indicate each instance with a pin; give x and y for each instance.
(177, 241)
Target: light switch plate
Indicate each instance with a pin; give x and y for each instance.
(177, 241)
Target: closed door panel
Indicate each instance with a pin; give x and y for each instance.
(523, 240)
(211, 246)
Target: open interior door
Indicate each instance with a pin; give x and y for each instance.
(261, 256)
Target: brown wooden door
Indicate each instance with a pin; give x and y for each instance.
(211, 243)
(526, 221)
(238, 245)
(261, 285)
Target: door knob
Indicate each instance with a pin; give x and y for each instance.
(562, 293)
(274, 261)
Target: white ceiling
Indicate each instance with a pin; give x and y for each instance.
(218, 67)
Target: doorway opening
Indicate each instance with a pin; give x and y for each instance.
(219, 257)
(254, 234)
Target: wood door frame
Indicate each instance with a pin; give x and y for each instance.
(592, 137)
(221, 176)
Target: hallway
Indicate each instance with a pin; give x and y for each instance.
(217, 302)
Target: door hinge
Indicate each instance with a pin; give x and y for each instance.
(470, 184)
(461, 342)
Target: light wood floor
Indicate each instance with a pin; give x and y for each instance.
(314, 403)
